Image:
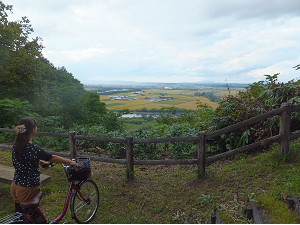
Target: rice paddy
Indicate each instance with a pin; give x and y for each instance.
(155, 99)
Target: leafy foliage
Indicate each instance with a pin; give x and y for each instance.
(10, 110)
(259, 98)
(19, 56)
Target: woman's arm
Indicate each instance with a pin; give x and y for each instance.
(58, 159)
(44, 164)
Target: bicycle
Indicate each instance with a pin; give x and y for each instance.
(83, 195)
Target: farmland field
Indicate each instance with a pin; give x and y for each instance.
(154, 99)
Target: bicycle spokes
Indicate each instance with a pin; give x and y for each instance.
(85, 201)
(80, 205)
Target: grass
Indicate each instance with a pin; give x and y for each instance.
(131, 124)
(115, 104)
(172, 194)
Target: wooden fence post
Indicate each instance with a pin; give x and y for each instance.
(129, 158)
(72, 143)
(284, 129)
(201, 153)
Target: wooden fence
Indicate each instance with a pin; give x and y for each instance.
(201, 161)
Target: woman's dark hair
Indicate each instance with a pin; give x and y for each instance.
(27, 124)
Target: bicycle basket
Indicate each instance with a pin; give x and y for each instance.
(82, 172)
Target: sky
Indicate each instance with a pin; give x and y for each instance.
(235, 41)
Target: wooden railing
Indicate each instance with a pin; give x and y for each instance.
(201, 161)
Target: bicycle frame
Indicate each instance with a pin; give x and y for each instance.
(31, 214)
(65, 209)
(72, 187)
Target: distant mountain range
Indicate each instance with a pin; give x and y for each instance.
(206, 83)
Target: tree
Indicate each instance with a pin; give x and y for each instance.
(93, 109)
(12, 111)
(18, 56)
(50, 92)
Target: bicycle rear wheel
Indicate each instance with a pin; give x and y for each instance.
(85, 202)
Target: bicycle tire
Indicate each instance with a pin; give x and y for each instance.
(82, 211)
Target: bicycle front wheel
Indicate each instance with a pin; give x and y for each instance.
(85, 202)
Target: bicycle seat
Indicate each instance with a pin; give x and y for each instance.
(33, 202)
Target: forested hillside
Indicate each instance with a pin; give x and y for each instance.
(30, 85)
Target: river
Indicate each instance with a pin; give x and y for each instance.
(132, 115)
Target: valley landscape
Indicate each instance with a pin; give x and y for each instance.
(157, 96)
(187, 151)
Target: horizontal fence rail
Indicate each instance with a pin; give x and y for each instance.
(245, 148)
(245, 123)
(284, 136)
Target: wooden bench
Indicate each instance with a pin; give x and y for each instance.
(7, 175)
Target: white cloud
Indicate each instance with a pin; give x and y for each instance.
(170, 40)
(78, 55)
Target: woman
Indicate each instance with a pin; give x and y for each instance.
(26, 157)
